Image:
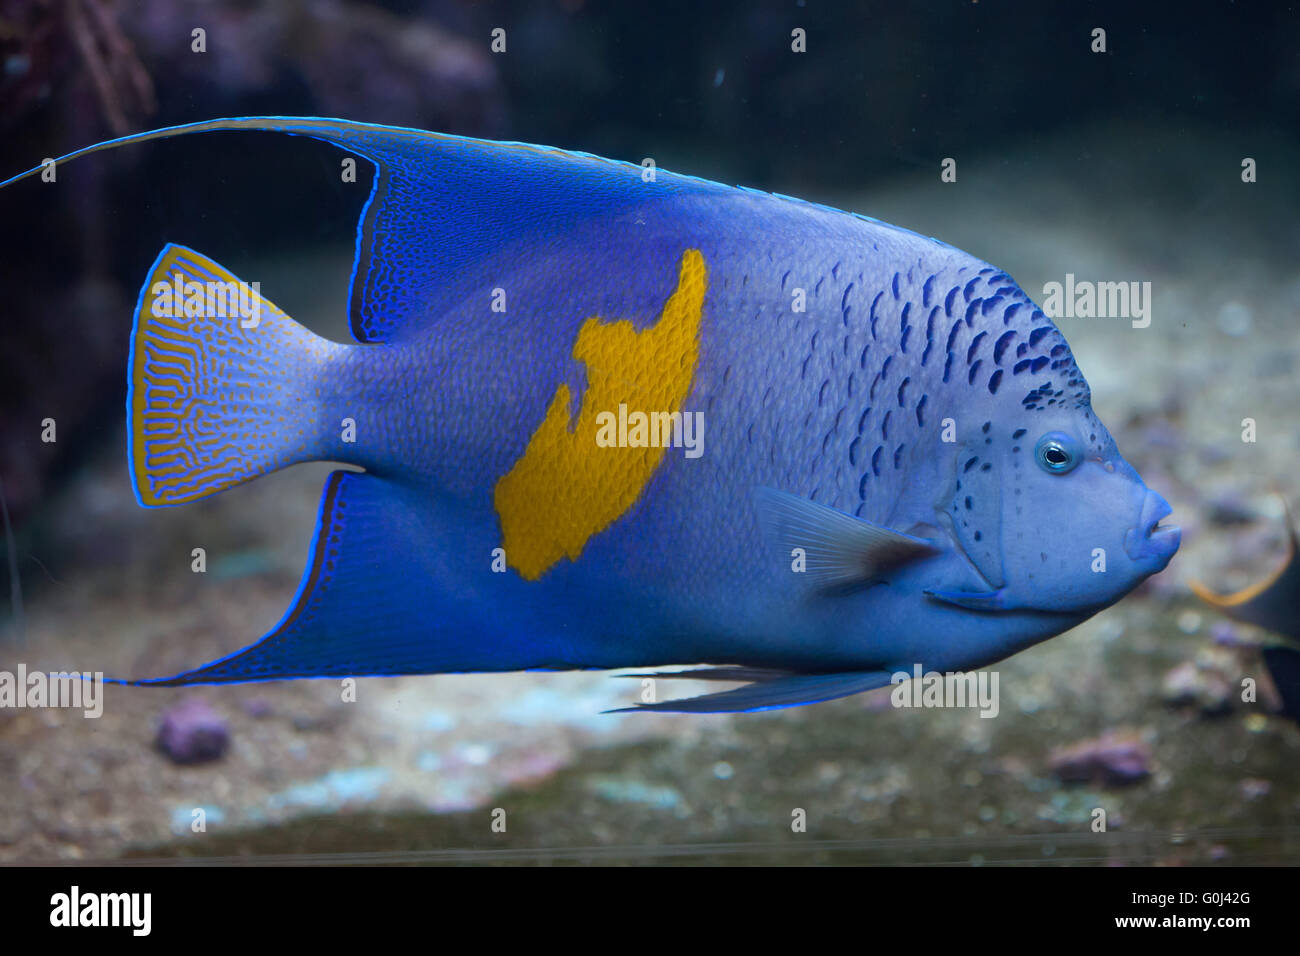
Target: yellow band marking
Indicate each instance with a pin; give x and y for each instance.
(565, 488)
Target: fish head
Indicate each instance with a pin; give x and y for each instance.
(1079, 527)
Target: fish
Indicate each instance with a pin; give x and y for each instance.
(597, 415)
(1271, 604)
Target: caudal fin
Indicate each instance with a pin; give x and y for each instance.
(219, 382)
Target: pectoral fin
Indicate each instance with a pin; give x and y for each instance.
(974, 600)
(787, 690)
(838, 550)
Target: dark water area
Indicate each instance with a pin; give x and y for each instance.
(1119, 165)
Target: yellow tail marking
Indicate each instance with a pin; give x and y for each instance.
(192, 428)
(565, 488)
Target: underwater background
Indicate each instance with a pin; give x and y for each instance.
(1122, 165)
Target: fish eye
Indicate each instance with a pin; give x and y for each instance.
(1057, 453)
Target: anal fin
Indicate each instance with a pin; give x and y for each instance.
(371, 601)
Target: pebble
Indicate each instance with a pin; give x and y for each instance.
(1190, 684)
(1228, 507)
(192, 732)
(1115, 758)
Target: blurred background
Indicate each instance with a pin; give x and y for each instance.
(1122, 165)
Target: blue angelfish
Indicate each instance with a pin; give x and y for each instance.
(609, 418)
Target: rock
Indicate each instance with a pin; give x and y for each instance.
(1116, 758)
(192, 732)
(1252, 788)
(1229, 506)
(1198, 684)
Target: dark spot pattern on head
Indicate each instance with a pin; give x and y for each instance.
(874, 315)
(929, 334)
(896, 329)
(952, 335)
(999, 347)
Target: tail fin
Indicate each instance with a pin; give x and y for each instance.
(217, 378)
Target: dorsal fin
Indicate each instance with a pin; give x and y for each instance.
(442, 204)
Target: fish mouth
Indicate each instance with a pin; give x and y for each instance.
(1150, 539)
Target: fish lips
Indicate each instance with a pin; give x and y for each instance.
(1150, 542)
